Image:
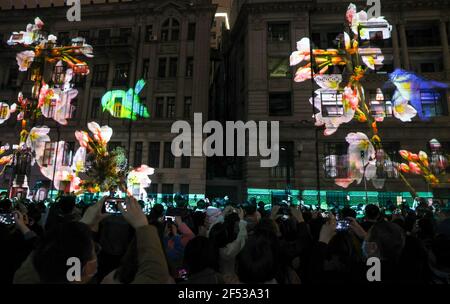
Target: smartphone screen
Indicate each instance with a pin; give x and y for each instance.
(111, 206)
(7, 218)
(169, 218)
(343, 225)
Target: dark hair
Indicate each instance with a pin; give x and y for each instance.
(288, 228)
(372, 212)
(219, 235)
(198, 220)
(200, 254)
(73, 239)
(257, 262)
(390, 240)
(67, 204)
(201, 204)
(249, 207)
(348, 212)
(156, 212)
(5, 205)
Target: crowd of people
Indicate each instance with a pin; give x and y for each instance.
(221, 244)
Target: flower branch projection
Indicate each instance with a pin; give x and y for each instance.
(49, 97)
(342, 98)
(100, 169)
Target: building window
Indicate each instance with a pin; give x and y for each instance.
(117, 107)
(138, 147)
(173, 66)
(432, 103)
(149, 33)
(49, 153)
(336, 160)
(286, 163)
(191, 31)
(145, 68)
(423, 35)
(170, 113)
(69, 149)
(159, 110)
(153, 156)
(79, 80)
(187, 110)
(280, 104)
(167, 67)
(169, 159)
(95, 108)
(104, 36)
(331, 103)
(427, 67)
(184, 189)
(279, 67)
(279, 31)
(4, 110)
(380, 104)
(64, 38)
(85, 34)
(72, 112)
(59, 74)
(121, 74)
(185, 162)
(100, 76)
(153, 191)
(170, 30)
(189, 67)
(167, 192)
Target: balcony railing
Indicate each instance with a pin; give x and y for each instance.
(112, 41)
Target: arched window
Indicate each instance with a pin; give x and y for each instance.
(170, 30)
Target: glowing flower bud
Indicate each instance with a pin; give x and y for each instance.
(414, 157)
(414, 168)
(424, 158)
(404, 154)
(404, 168)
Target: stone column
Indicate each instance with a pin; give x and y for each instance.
(445, 49)
(395, 47)
(404, 43)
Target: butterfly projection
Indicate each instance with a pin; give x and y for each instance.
(125, 104)
(412, 88)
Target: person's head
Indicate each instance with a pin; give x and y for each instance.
(261, 205)
(200, 254)
(257, 262)
(386, 241)
(267, 227)
(342, 247)
(440, 251)
(219, 235)
(288, 228)
(67, 204)
(201, 204)
(180, 200)
(5, 206)
(58, 246)
(249, 208)
(198, 219)
(348, 212)
(372, 212)
(156, 212)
